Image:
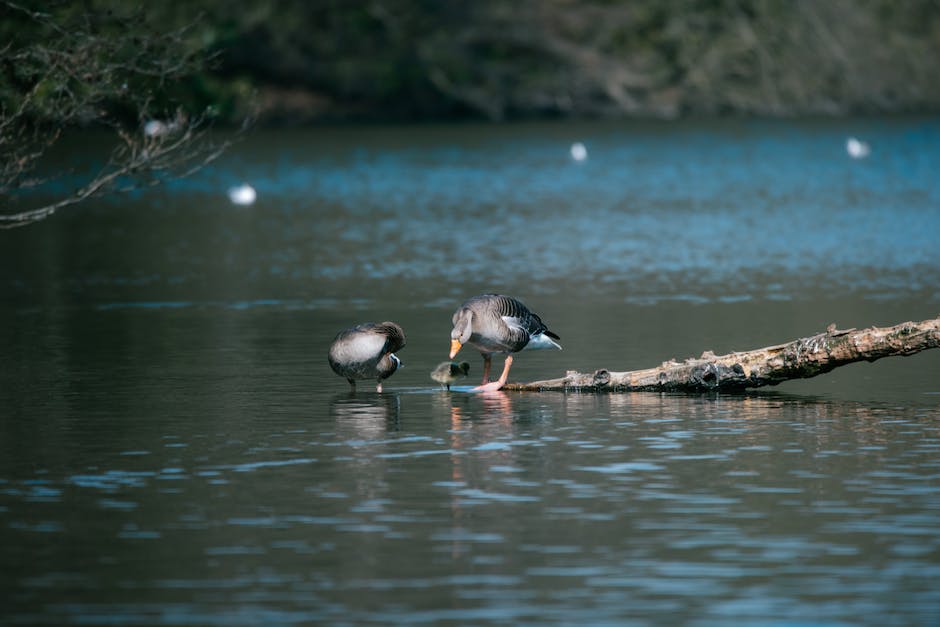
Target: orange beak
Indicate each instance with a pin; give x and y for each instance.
(454, 347)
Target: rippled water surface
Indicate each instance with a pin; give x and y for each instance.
(175, 450)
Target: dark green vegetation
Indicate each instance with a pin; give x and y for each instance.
(298, 61)
(64, 65)
(157, 74)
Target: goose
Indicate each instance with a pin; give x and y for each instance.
(366, 351)
(448, 371)
(494, 323)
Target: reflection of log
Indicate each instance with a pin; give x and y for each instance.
(799, 359)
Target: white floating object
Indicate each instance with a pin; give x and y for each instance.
(243, 194)
(578, 151)
(856, 148)
(155, 128)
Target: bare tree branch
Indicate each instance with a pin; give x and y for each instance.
(103, 69)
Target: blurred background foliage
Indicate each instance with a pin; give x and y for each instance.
(298, 61)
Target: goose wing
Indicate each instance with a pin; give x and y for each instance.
(518, 317)
(394, 336)
(503, 320)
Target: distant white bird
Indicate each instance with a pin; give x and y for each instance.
(160, 128)
(155, 128)
(856, 148)
(243, 194)
(578, 151)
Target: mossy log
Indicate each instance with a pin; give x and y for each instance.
(800, 359)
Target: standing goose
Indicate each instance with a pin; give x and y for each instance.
(494, 323)
(366, 351)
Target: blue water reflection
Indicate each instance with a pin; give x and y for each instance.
(690, 211)
(509, 507)
(175, 450)
(781, 199)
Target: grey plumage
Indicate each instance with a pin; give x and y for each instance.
(448, 371)
(367, 351)
(495, 323)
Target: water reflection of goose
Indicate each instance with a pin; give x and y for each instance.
(491, 413)
(448, 371)
(368, 416)
(494, 323)
(367, 351)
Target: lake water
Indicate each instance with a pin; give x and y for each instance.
(175, 450)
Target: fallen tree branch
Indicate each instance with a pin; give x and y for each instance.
(799, 359)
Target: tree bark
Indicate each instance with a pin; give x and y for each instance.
(799, 359)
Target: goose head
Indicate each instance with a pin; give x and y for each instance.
(388, 366)
(461, 332)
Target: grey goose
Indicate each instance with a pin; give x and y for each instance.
(367, 351)
(495, 323)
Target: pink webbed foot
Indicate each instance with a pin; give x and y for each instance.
(493, 386)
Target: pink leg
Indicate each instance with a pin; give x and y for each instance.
(487, 362)
(495, 385)
(378, 388)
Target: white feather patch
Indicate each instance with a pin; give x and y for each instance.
(511, 322)
(541, 341)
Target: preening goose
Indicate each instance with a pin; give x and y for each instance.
(366, 351)
(494, 323)
(448, 371)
